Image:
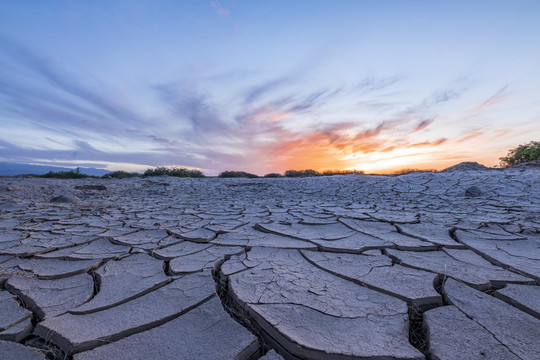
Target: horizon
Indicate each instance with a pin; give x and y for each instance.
(267, 87)
(22, 170)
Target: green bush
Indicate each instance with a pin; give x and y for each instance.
(173, 171)
(522, 153)
(120, 175)
(236, 174)
(71, 174)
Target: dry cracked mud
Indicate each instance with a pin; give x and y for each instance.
(414, 266)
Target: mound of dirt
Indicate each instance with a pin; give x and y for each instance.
(466, 166)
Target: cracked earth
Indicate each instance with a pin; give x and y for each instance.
(414, 266)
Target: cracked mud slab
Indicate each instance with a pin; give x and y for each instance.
(13, 351)
(314, 314)
(75, 333)
(206, 332)
(342, 267)
(524, 297)
(453, 335)
(48, 298)
(11, 312)
(122, 280)
(377, 271)
(464, 265)
(513, 328)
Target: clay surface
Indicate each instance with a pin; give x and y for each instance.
(414, 266)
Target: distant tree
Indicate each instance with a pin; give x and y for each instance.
(522, 153)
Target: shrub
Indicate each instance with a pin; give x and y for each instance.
(522, 153)
(411, 170)
(71, 174)
(301, 173)
(341, 172)
(120, 175)
(273, 175)
(173, 171)
(236, 174)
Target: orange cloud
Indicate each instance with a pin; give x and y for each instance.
(336, 147)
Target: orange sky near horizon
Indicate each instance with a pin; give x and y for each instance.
(386, 148)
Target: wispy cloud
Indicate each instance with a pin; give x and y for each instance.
(44, 96)
(423, 124)
(372, 83)
(498, 97)
(219, 9)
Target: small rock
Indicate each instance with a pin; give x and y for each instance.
(473, 191)
(65, 199)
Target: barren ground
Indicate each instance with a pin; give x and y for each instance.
(345, 267)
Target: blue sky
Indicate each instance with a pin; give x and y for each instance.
(267, 86)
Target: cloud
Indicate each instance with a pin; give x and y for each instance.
(43, 96)
(444, 95)
(372, 84)
(219, 9)
(48, 72)
(423, 124)
(259, 90)
(471, 134)
(498, 97)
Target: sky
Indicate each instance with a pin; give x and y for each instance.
(267, 86)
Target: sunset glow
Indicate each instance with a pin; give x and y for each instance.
(267, 87)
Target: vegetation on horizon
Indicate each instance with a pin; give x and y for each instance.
(236, 174)
(310, 172)
(120, 175)
(522, 153)
(301, 173)
(273, 175)
(406, 171)
(173, 171)
(341, 172)
(71, 174)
